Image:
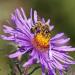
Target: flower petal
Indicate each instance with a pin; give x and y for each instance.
(8, 29)
(61, 72)
(7, 38)
(57, 36)
(43, 69)
(62, 57)
(35, 16)
(48, 22)
(29, 62)
(43, 20)
(64, 48)
(60, 41)
(51, 27)
(16, 54)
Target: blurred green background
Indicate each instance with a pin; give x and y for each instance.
(61, 13)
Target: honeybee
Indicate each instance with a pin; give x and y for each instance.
(39, 27)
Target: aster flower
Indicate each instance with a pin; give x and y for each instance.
(34, 35)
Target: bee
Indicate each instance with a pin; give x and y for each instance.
(45, 31)
(39, 27)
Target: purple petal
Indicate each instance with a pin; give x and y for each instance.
(61, 72)
(21, 27)
(18, 14)
(34, 54)
(22, 20)
(16, 54)
(35, 16)
(63, 58)
(50, 53)
(57, 36)
(8, 29)
(23, 42)
(24, 15)
(51, 70)
(64, 48)
(30, 22)
(7, 38)
(60, 41)
(43, 20)
(29, 62)
(31, 13)
(12, 17)
(48, 22)
(43, 69)
(51, 27)
(58, 65)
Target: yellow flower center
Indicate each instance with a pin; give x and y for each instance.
(41, 42)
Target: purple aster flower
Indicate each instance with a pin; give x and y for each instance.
(34, 35)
